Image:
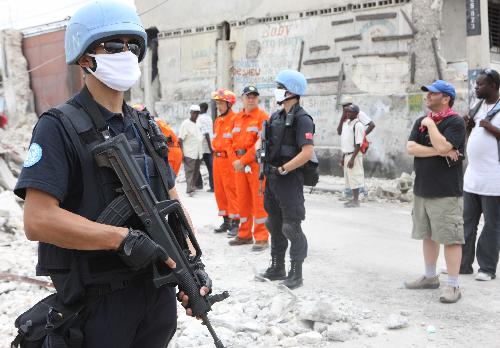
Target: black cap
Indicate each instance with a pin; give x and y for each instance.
(249, 90)
(352, 108)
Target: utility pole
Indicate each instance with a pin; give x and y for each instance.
(477, 41)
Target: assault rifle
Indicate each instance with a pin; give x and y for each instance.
(164, 222)
(262, 154)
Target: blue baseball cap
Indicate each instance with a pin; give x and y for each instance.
(440, 86)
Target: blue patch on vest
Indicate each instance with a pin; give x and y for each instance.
(34, 155)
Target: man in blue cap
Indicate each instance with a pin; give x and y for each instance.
(107, 268)
(437, 141)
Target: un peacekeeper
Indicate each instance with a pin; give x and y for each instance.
(290, 147)
(65, 191)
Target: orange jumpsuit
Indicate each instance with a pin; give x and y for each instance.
(246, 130)
(174, 150)
(223, 172)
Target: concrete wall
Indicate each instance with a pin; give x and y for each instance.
(384, 64)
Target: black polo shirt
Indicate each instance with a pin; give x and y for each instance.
(435, 176)
(52, 164)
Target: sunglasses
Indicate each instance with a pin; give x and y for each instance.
(117, 46)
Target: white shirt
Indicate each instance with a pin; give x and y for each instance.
(348, 134)
(191, 139)
(364, 118)
(205, 124)
(482, 175)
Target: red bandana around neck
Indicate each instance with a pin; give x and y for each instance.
(439, 116)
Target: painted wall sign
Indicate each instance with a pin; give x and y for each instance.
(473, 15)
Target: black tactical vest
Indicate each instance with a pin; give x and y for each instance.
(99, 189)
(283, 135)
(283, 144)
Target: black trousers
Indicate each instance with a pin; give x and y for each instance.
(135, 317)
(208, 159)
(488, 245)
(284, 204)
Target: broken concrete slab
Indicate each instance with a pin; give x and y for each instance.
(396, 321)
(7, 180)
(320, 311)
(9, 208)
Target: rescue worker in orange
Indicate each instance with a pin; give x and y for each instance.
(246, 130)
(223, 172)
(174, 150)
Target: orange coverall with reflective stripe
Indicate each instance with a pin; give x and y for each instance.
(246, 130)
(174, 150)
(223, 172)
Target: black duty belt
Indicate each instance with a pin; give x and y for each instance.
(222, 154)
(241, 152)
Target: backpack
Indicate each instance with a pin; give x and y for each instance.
(365, 144)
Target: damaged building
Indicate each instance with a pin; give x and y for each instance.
(378, 52)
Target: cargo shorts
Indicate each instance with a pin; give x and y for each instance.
(438, 219)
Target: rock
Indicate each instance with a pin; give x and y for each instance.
(7, 180)
(309, 338)
(396, 321)
(289, 342)
(276, 332)
(320, 327)
(300, 326)
(405, 183)
(286, 330)
(337, 333)
(431, 329)
(320, 311)
(8, 205)
(279, 306)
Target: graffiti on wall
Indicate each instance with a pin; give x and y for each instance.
(259, 63)
(379, 28)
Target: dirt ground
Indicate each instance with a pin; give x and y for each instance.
(358, 260)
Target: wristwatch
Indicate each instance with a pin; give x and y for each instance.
(282, 170)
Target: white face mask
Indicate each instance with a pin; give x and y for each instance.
(279, 95)
(118, 71)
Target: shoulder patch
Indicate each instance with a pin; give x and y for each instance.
(34, 155)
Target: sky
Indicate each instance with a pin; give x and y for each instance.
(21, 14)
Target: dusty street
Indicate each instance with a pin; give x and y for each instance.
(354, 273)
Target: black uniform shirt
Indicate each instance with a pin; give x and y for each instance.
(435, 176)
(52, 164)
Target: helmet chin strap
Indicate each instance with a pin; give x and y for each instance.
(227, 110)
(287, 98)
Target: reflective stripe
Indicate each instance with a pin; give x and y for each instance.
(236, 129)
(234, 216)
(253, 129)
(227, 135)
(261, 220)
(243, 219)
(222, 213)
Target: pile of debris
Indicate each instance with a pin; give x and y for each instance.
(400, 189)
(264, 318)
(13, 149)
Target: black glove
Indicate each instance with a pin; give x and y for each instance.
(137, 250)
(203, 277)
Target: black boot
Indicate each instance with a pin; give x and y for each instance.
(224, 227)
(294, 278)
(233, 228)
(276, 271)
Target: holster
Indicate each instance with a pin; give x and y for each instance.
(50, 324)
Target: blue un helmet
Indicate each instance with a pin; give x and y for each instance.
(293, 81)
(99, 20)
